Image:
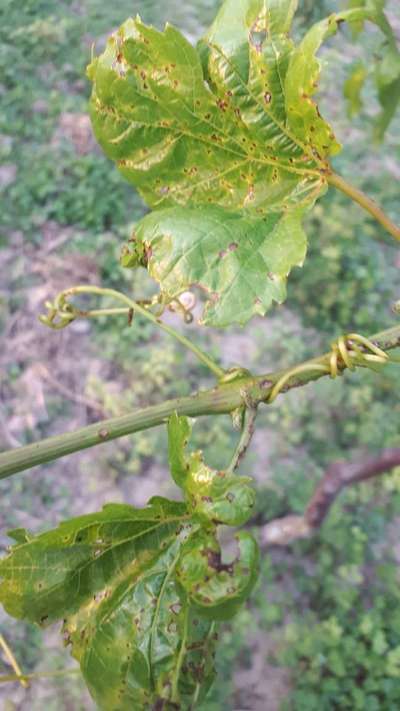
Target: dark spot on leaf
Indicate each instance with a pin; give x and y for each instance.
(175, 608)
(207, 499)
(230, 497)
(223, 105)
(267, 97)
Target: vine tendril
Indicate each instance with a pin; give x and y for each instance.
(349, 351)
(60, 313)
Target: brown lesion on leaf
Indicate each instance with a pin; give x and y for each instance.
(222, 105)
(214, 561)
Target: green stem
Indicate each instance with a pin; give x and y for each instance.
(13, 662)
(203, 357)
(366, 203)
(249, 418)
(222, 399)
(4, 678)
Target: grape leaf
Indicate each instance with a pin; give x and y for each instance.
(241, 261)
(217, 496)
(138, 603)
(183, 140)
(217, 588)
(111, 576)
(230, 123)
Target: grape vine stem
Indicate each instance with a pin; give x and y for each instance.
(224, 398)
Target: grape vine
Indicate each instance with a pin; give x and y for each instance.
(227, 147)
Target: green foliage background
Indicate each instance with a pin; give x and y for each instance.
(328, 608)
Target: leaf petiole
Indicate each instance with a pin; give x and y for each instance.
(365, 202)
(248, 421)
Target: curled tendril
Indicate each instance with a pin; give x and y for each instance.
(349, 351)
(183, 306)
(59, 313)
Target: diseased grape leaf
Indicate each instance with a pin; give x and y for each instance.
(230, 123)
(183, 140)
(239, 260)
(217, 589)
(139, 590)
(217, 496)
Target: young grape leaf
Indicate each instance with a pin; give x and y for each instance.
(211, 495)
(240, 261)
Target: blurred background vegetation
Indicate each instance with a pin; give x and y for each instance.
(322, 630)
